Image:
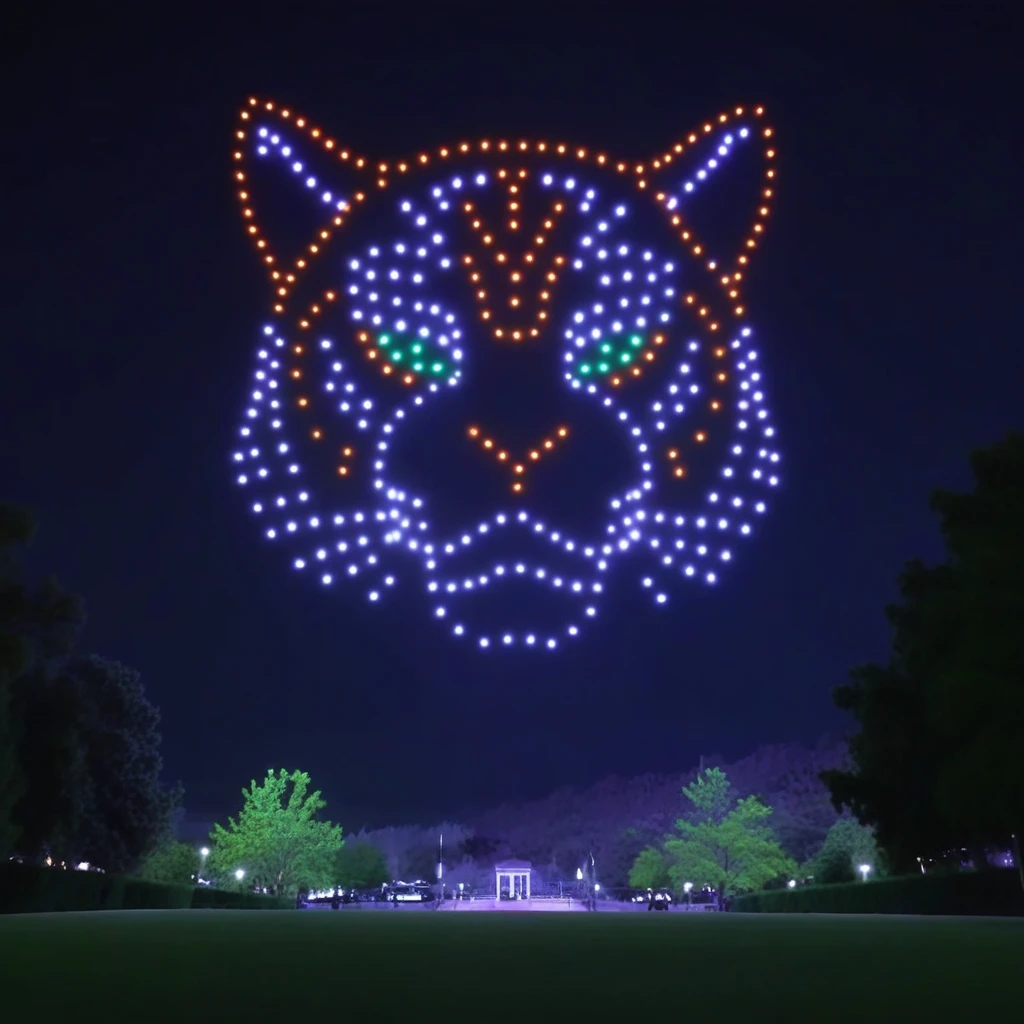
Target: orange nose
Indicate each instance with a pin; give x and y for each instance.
(513, 272)
(519, 466)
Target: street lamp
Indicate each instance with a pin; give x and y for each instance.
(688, 889)
(240, 874)
(865, 870)
(593, 880)
(791, 883)
(204, 852)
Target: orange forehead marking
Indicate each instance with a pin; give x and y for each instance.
(530, 267)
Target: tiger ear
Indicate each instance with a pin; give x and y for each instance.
(271, 141)
(716, 186)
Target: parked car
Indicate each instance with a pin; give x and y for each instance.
(411, 894)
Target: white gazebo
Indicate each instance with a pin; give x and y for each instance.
(517, 872)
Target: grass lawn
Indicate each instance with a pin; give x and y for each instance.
(230, 965)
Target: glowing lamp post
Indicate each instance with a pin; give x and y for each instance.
(203, 854)
(865, 870)
(239, 875)
(688, 889)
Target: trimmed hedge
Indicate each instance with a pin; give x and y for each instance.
(29, 889)
(206, 898)
(995, 893)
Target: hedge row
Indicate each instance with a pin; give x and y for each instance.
(995, 893)
(27, 889)
(204, 897)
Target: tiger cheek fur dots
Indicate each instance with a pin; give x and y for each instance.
(532, 250)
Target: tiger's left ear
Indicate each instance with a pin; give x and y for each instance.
(718, 227)
(325, 175)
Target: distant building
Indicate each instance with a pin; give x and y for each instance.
(514, 877)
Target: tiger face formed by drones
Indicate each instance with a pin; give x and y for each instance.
(504, 366)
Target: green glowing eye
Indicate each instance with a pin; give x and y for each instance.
(617, 350)
(415, 352)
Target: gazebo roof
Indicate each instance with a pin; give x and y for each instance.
(513, 865)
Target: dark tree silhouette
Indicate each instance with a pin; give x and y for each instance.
(360, 865)
(936, 758)
(38, 626)
(125, 811)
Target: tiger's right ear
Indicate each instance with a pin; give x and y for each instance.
(270, 138)
(723, 230)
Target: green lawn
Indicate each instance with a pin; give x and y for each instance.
(190, 966)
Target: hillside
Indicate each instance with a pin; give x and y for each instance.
(617, 817)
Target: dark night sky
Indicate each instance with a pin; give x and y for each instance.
(886, 312)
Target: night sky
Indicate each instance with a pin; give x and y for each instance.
(885, 306)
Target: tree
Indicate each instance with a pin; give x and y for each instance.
(847, 845)
(38, 627)
(802, 811)
(52, 756)
(411, 851)
(711, 795)
(123, 810)
(360, 865)
(173, 862)
(947, 708)
(730, 848)
(79, 743)
(649, 870)
(15, 531)
(278, 839)
(619, 856)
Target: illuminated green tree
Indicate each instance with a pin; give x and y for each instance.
(711, 795)
(847, 845)
(172, 862)
(649, 870)
(278, 838)
(730, 848)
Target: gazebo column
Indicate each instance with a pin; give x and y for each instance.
(527, 884)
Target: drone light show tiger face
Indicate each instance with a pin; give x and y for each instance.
(509, 374)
